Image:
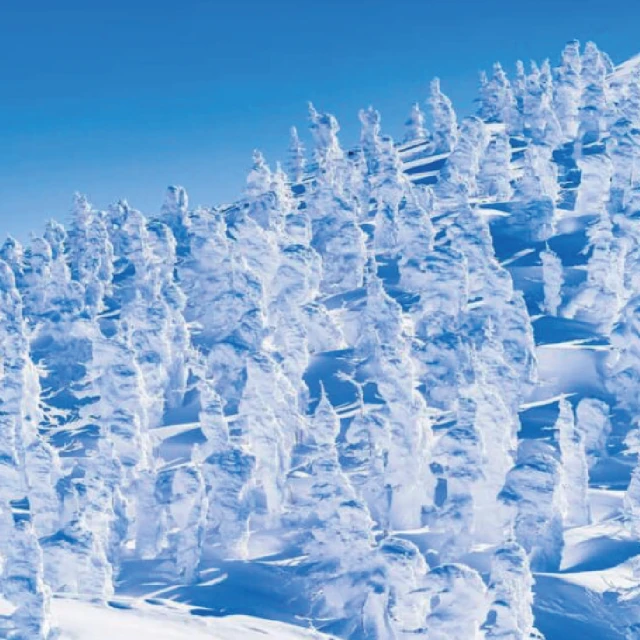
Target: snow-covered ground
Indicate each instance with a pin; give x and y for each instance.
(80, 620)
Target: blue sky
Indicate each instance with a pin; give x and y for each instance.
(123, 99)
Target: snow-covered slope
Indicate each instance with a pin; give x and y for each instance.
(79, 620)
(389, 393)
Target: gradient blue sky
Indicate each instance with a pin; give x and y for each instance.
(122, 98)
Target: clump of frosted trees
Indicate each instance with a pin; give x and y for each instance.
(122, 325)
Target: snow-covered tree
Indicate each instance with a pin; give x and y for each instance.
(259, 178)
(593, 103)
(370, 137)
(327, 151)
(415, 130)
(494, 179)
(12, 253)
(552, 279)
(535, 193)
(30, 466)
(534, 489)
(574, 469)
(227, 470)
(519, 88)
(338, 528)
(592, 421)
(445, 123)
(602, 296)
(463, 165)
(182, 493)
(510, 590)
(473, 458)
(568, 89)
(540, 121)
(297, 159)
(623, 367)
(623, 148)
(175, 214)
(337, 236)
(25, 596)
(497, 103)
(459, 603)
(630, 104)
(631, 503)
(76, 561)
(263, 435)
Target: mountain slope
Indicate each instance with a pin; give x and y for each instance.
(389, 393)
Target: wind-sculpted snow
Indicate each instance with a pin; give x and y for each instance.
(389, 393)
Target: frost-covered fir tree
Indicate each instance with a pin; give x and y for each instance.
(152, 307)
(631, 504)
(593, 102)
(441, 281)
(76, 560)
(511, 593)
(602, 296)
(494, 179)
(30, 466)
(534, 490)
(182, 493)
(175, 214)
(415, 130)
(623, 148)
(226, 470)
(574, 470)
(379, 439)
(473, 458)
(458, 603)
(25, 596)
(337, 235)
(405, 571)
(445, 123)
(568, 89)
(297, 158)
(337, 530)
(535, 193)
(90, 253)
(593, 421)
(540, 121)
(463, 165)
(552, 278)
(623, 366)
(497, 103)
(263, 435)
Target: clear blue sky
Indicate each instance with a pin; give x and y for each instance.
(121, 98)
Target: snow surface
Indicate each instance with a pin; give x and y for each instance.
(79, 620)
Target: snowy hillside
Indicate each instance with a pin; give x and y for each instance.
(391, 393)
